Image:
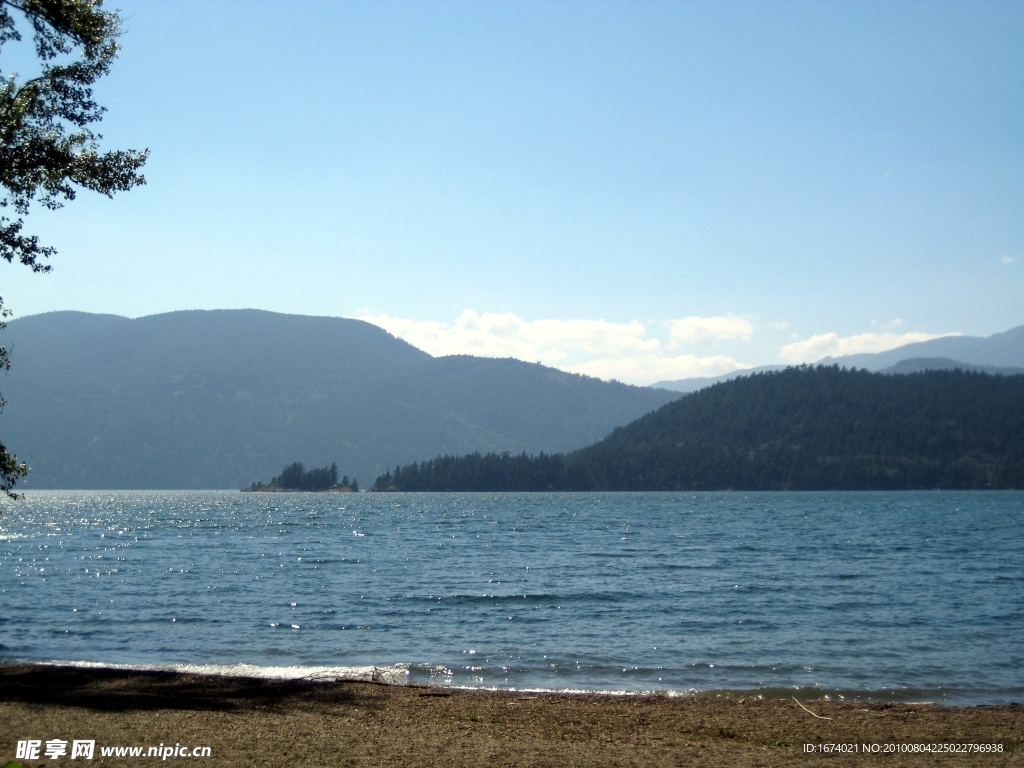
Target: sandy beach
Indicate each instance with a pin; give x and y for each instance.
(247, 721)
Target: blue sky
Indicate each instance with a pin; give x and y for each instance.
(634, 190)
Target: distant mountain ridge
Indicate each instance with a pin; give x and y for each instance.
(918, 364)
(998, 353)
(1001, 350)
(700, 382)
(218, 399)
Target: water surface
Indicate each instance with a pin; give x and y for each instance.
(863, 595)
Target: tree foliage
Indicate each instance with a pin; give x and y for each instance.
(47, 149)
(803, 428)
(296, 477)
(476, 472)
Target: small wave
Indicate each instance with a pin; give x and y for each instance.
(587, 691)
(394, 674)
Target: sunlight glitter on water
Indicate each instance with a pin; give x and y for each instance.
(881, 594)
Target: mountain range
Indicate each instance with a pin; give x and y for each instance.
(1004, 349)
(998, 353)
(218, 399)
(804, 428)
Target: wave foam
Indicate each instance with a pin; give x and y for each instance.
(395, 674)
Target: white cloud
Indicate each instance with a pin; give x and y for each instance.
(653, 368)
(894, 323)
(599, 348)
(700, 330)
(833, 345)
(508, 335)
(1008, 259)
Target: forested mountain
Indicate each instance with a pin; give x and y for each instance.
(820, 428)
(219, 399)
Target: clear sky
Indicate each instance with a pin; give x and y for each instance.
(636, 190)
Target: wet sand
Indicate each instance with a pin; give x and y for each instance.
(254, 722)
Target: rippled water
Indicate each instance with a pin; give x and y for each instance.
(870, 595)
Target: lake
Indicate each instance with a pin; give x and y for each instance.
(904, 596)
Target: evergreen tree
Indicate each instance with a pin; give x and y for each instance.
(295, 477)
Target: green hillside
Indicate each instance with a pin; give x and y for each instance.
(804, 428)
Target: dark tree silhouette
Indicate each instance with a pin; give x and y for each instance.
(295, 477)
(47, 150)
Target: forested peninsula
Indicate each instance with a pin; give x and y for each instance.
(803, 428)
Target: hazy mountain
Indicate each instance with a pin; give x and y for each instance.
(700, 382)
(918, 364)
(218, 399)
(1003, 350)
(999, 353)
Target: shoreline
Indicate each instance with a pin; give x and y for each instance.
(250, 720)
(405, 674)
